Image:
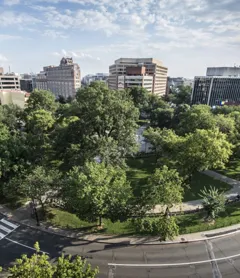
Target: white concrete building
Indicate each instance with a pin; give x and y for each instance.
(133, 68)
(63, 80)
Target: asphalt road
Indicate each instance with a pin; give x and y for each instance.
(13, 244)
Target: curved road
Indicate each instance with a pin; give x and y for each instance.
(13, 244)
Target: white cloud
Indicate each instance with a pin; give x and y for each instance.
(4, 37)
(3, 58)
(11, 2)
(13, 18)
(75, 54)
(54, 34)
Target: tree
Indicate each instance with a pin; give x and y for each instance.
(198, 117)
(39, 266)
(39, 184)
(97, 190)
(11, 116)
(161, 117)
(182, 95)
(39, 124)
(106, 118)
(168, 228)
(140, 96)
(165, 187)
(198, 151)
(202, 150)
(40, 99)
(213, 202)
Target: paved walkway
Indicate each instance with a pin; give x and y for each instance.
(197, 204)
(23, 215)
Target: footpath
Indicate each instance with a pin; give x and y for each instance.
(23, 216)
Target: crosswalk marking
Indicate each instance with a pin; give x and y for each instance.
(6, 227)
(9, 223)
(2, 236)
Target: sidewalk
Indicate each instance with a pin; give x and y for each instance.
(23, 216)
(18, 217)
(197, 204)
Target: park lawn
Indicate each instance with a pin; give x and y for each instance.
(190, 223)
(232, 169)
(140, 169)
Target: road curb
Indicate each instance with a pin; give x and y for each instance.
(131, 242)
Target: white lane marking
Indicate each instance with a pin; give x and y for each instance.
(5, 229)
(13, 241)
(2, 235)
(176, 264)
(9, 223)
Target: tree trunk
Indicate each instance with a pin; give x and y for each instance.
(100, 221)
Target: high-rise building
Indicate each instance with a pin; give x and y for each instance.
(145, 72)
(216, 90)
(9, 81)
(63, 80)
(224, 71)
(175, 82)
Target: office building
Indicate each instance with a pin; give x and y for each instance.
(9, 81)
(216, 90)
(26, 82)
(145, 72)
(63, 80)
(224, 71)
(88, 79)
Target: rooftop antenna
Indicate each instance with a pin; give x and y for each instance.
(9, 68)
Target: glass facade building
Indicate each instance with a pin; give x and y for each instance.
(216, 90)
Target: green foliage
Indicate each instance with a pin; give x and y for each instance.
(72, 268)
(140, 96)
(165, 187)
(10, 115)
(105, 126)
(39, 266)
(198, 151)
(213, 202)
(40, 99)
(39, 184)
(182, 95)
(97, 190)
(198, 117)
(163, 226)
(161, 117)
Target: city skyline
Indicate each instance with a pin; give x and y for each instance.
(187, 36)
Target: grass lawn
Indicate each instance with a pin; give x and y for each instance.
(232, 169)
(190, 223)
(142, 168)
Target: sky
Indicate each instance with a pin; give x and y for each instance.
(186, 35)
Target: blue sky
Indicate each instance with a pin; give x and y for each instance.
(186, 35)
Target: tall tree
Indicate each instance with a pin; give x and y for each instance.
(106, 118)
(39, 184)
(198, 117)
(165, 187)
(96, 190)
(182, 95)
(198, 151)
(40, 99)
(39, 124)
(140, 96)
(161, 117)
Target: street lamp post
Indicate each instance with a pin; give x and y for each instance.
(36, 213)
